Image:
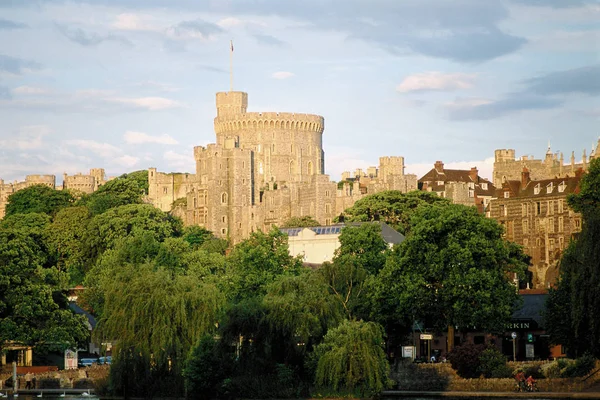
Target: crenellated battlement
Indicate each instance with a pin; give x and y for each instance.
(269, 120)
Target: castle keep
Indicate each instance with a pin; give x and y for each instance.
(264, 169)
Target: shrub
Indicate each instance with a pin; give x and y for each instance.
(83, 384)
(503, 371)
(581, 367)
(465, 359)
(48, 383)
(204, 371)
(555, 368)
(492, 363)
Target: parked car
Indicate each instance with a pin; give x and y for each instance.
(105, 360)
(86, 362)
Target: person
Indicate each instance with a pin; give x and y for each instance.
(530, 384)
(28, 381)
(520, 378)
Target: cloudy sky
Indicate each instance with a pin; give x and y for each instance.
(128, 84)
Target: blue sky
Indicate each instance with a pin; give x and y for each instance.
(126, 84)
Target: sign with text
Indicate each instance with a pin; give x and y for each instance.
(70, 359)
(529, 352)
(408, 352)
(426, 336)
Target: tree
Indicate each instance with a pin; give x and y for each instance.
(140, 177)
(66, 235)
(257, 261)
(157, 317)
(196, 235)
(114, 193)
(351, 359)
(33, 310)
(392, 207)
(300, 222)
(38, 199)
(572, 308)
(454, 269)
(105, 229)
(364, 243)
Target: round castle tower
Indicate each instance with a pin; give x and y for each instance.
(288, 147)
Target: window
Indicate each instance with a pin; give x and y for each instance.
(549, 187)
(223, 219)
(577, 223)
(524, 209)
(327, 193)
(506, 195)
(538, 208)
(561, 243)
(471, 185)
(328, 221)
(484, 186)
(224, 198)
(165, 190)
(224, 231)
(525, 227)
(561, 224)
(440, 183)
(550, 225)
(526, 243)
(310, 168)
(551, 245)
(503, 210)
(471, 193)
(327, 208)
(550, 207)
(536, 189)
(561, 187)
(561, 206)
(273, 148)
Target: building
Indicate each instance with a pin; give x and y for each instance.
(264, 168)
(85, 183)
(536, 215)
(318, 244)
(6, 189)
(459, 186)
(508, 167)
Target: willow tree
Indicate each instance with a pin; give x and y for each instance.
(351, 359)
(154, 318)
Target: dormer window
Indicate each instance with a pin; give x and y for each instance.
(536, 189)
(440, 183)
(561, 187)
(506, 195)
(471, 185)
(484, 186)
(549, 187)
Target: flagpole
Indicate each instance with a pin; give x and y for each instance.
(231, 65)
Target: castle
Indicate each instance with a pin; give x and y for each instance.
(264, 169)
(78, 182)
(507, 167)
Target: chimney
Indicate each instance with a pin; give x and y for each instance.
(474, 174)
(525, 179)
(439, 166)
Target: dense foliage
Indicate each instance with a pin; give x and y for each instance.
(187, 311)
(573, 306)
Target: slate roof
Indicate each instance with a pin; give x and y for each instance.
(80, 311)
(514, 187)
(389, 234)
(456, 175)
(533, 307)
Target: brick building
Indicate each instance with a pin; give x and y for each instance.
(460, 186)
(536, 215)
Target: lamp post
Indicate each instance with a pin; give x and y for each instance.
(514, 339)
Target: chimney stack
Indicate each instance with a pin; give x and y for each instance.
(439, 166)
(525, 179)
(474, 174)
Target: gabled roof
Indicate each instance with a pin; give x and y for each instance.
(456, 175)
(571, 186)
(80, 311)
(533, 306)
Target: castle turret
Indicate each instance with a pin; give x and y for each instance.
(231, 103)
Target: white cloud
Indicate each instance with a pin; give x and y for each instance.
(133, 137)
(485, 167)
(126, 161)
(436, 81)
(149, 103)
(282, 75)
(180, 162)
(229, 22)
(26, 90)
(470, 102)
(27, 138)
(135, 22)
(102, 149)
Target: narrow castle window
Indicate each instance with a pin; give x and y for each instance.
(310, 168)
(224, 198)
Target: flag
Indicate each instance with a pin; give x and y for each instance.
(231, 44)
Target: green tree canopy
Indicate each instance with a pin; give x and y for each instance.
(38, 199)
(32, 310)
(364, 243)
(454, 269)
(392, 207)
(300, 222)
(351, 358)
(257, 261)
(572, 307)
(140, 177)
(114, 193)
(156, 318)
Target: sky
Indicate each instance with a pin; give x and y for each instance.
(127, 85)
